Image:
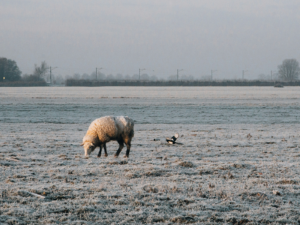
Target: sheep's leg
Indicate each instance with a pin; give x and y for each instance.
(105, 150)
(121, 145)
(99, 154)
(128, 145)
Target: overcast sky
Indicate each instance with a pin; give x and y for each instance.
(160, 35)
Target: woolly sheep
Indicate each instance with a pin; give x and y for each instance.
(108, 128)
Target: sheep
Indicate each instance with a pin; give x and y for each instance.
(108, 128)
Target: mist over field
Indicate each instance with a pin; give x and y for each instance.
(160, 36)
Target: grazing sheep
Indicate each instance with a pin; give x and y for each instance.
(108, 128)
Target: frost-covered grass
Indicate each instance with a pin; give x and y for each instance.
(217, 176)
(220, 174)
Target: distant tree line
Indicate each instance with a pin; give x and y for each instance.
(111, 77)
(288, 72)
(94, 83)
(38, 74)
(10, 75)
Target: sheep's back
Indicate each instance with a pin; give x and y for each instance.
(105, 127)
(111, 128)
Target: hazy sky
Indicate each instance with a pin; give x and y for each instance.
(161, 35)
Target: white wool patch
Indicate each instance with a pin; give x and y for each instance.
(109, 128)
(122, 119)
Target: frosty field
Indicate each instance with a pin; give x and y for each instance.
(238, 162)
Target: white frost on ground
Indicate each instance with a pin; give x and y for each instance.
(220, 174)
(216, 176)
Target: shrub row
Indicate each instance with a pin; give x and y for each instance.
(23, 84)
(91, 83)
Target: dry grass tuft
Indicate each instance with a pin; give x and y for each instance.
(186, 164)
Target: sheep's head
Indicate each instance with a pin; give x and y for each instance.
(88, 148)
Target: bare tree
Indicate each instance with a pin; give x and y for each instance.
(135, 77)
(145, 76)
(40, 71)
(119, 76)
(76, 76)
(187, 77)
(110, 77)
(101, 76)
(127, 77)
(85, 76)
(289, 70)
(172, 77)
(264, 77)
(153, 78)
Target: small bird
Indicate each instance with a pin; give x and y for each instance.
(173, 139)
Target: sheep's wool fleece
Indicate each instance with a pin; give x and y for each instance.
(109, 128)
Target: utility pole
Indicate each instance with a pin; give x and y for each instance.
(51, 73)
(97, 71)
(211, 73)
(140, 73)
(271, 75)
(178, 73)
